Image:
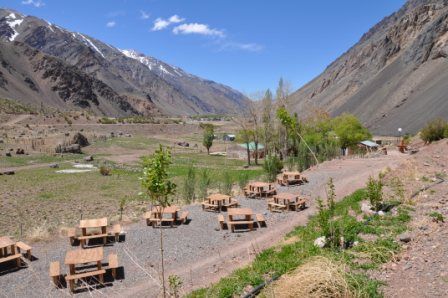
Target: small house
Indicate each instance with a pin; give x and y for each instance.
(239, 151)
(229, 137)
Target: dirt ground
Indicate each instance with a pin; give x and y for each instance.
(420, 270)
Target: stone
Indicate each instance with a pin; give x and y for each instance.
(405, 237)
(8, 154)
(20, 151)
(367, 208)
(54, 165)
(75, 148)
(88, 158)
(320, 242)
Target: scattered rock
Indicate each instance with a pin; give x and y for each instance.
(20, 151)
(54, 166)
(320, 242)
(405, 237)
(367, 208)
(88, 158)
(8, 154)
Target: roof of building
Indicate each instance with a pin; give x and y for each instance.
(252, 146)
(369, 143)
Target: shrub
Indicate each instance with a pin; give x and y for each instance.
(189, 184)
(227, 183)
(175, 284)
(435, 130)
(437, 217)
(204, 183)
(106, 120)
(105, 171)
(272, 166)
(375, 192)
(243, 179)
(329, 227)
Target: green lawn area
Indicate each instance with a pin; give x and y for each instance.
(134, 142)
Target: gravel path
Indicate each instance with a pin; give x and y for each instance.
(198, 252)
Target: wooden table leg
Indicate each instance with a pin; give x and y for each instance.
(72, 281)
(103, 231)
(101, 275)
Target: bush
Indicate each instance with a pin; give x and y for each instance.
(204, 183)
(106, 120)
(226, 185)
(375, 192)
(243, 179)
(189, 184)
(435, 130)
(272, 166)
(105, 171)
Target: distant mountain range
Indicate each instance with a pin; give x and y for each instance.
(44, 64)
(396, 76)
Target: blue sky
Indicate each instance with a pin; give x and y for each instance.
(246, 44)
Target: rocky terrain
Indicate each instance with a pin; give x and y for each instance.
(108, 80)
(395, 76)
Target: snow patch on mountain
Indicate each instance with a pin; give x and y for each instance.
(88, 42)
(13, 22)
(153, 64)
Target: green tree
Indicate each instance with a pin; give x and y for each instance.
(158, 188)
(350, 130)
(245, 136)
(204, 183)
(208, 136)
(267, 121)
(190, 184)
(272, 166)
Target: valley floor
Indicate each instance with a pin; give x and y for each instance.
(197, 252)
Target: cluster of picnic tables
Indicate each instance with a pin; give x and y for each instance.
(87, 261)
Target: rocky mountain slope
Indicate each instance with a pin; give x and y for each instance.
(395, 76)
(135, 83)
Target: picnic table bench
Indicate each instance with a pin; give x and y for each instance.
(93, 229)
(83, 257)
(158, 215)
(241, 216)
(218, 202)
(5, 256)
(286, 201)
(288, 178)
(260, 189)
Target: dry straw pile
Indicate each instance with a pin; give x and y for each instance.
(319, 277)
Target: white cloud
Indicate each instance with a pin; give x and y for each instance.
(196, 28)
(249, 47)
(111, 24)
(144, 15)
(160, 24)
(35, 3)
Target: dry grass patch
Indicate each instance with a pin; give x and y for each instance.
(319, 277)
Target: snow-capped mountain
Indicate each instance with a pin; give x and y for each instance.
(145, 83)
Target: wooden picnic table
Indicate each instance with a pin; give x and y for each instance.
(5, 256)
(260, 188)
(99, 227)
(285, 197)
(235, 217)
(290, 177)
(157, 214)
(288, 200)
(83, 257)
(218, 202)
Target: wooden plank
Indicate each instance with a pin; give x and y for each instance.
(92, 236)
(10, 258)
(93, 223)
(83, 256)
(6, 242)
(55, 269)
(84, 274)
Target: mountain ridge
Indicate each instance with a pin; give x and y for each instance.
(392, 77)
(150, 85)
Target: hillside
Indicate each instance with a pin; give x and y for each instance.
(395, 76)
(117, 82)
